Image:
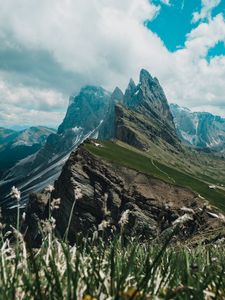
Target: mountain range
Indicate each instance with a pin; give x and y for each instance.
(132, 163)
(140, 118)
(199, 129)
(17, 145)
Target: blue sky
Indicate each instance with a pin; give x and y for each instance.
(175, 21)
(51, 48)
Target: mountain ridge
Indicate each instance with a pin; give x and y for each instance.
(17, 145)
(200, 129)
(140, 117)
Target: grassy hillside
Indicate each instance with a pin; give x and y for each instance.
(122, 154)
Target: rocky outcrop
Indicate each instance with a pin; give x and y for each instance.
(106, 194)
(37, 211)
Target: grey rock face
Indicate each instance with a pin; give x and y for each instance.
(91, 104)
(148, 94)
(117, 95)
(107, 191)
(84, 119)
(199, 129)
(145, 115)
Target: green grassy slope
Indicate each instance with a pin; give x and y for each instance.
(130, 157)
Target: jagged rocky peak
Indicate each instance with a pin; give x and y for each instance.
(87, 109)
(145, 115)
(150, 95)
(130, 93)
(117, 95)
(145, 76)
(132, 86)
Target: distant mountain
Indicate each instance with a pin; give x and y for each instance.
(199, 129)
(7, 135)
(84, 118)
(15, 145)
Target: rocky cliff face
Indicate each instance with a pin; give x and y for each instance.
(84, 119)
(91, 104)
(199, 129)
(104, 194)
(149, 96)
(145, 115)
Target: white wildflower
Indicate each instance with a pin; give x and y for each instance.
(48, 225)
(55, 203)
(15, 194)
(124, 218)
(77, 193)
(18, 235)
(50, 188)
(103, 225)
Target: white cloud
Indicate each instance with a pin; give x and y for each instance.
(202, 82)
(105, 42)
(13, 115)
(83, 36)
(206, 35)
(31, 98)
(206, 11)
(30, 106)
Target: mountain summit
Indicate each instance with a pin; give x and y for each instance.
(149, 95)
(86, 110)
(145, 114)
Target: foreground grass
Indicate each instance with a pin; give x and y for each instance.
(139, 161)
(94, 269)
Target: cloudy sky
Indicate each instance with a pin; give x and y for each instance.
(50, 48)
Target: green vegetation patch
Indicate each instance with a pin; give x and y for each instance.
(140, 162)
